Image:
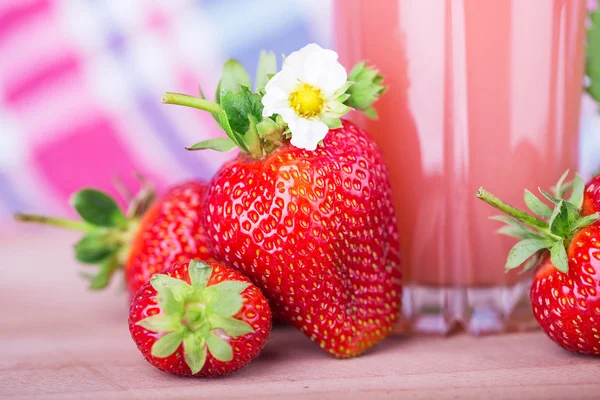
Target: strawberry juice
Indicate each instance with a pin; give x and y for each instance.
(481, 93)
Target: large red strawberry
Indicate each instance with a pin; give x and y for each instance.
(200, 319)
(314, 229)
(146, 239)
(564, 244)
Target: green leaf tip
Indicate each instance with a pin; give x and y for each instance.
(167, 345)
(219, 349)
(523, 250)
(223, 144)
(558, 256)
(536, 205)
(98, 208)
(233, 77)
(267, 67)
(199, 273)
(197, 315)
(194, 352)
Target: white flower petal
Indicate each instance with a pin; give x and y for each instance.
(321, 69)
(285, 79)
(334, 76)
(289, 116)
(297, 58)
(307, 133)
(274, 99)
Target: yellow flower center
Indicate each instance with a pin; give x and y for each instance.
(307, 100)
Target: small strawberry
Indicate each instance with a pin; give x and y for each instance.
(309, 218)
(147, 239)
(200, 319)
(564, 245)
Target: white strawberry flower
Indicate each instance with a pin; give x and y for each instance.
(308, 93)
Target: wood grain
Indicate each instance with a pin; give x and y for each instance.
(57, 341)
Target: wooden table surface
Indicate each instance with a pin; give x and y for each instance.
(58, 341)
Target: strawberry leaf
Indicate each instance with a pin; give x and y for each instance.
(251, 137)
(162, 282)
(549, 196)
(233, 77)
(167, 345)
(234, 136)
(523, 250)
(94, 248)
(585, 221)
(219, 349)
(226, 306)
(224, 298)
(238, 106)
(199, 273)
(98, 208)
(519, 232)
(267, 66)
(560, 188)
(558, 256)
(233, 327)
(223, 144)
(515, 229)
(560, 221)
(576, 197)
(161, 323)
(194, 349)
(228, 287)
(102, 277)
(536, 205)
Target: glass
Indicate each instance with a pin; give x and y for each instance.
(481, 93)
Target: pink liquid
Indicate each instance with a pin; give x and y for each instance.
(482, 93)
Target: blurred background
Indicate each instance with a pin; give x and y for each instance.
(81, 82)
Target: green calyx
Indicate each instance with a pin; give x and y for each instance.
(199, 316)
(367, 88)
(548, 229)
(108, 231)
(237, 108)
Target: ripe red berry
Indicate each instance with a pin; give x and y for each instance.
(567, 306)
(316, 231)
(200, 319)
(564, 247)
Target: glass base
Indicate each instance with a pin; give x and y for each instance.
(476, 310)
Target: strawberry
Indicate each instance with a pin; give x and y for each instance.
(147, 240)
(200, 319)
(591, 197)
(314, 229)
(563, 244)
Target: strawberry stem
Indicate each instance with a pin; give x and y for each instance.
(191, 101)
(517, 214)
(59, 222)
